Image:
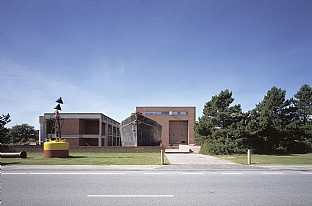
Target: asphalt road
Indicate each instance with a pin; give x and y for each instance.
(155, 187)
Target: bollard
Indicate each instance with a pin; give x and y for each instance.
(248, 157)
(162, 158)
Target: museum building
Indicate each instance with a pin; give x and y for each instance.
(97, 129)
(177, 123)
(82, 129)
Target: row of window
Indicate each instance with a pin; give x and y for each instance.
(166, 113)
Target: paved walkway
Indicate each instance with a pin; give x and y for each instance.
(201, 162)
(191, 158)
(193, 161)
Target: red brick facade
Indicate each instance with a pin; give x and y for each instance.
(177, 123)
(82, 129)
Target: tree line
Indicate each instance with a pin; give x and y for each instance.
(18, 134)
(275, 126)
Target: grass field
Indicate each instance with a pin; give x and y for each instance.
(88, 159)
(147, 159)
(296, 159)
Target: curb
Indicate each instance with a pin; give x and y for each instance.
(211, 167)
(81, 167)
(286, 167)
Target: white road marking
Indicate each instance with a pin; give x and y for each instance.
(154, 173)
(232, 173)
(14, 173)
(116, 196)
(272, 173)
(64, 173)
(192, 173)
(307, 173)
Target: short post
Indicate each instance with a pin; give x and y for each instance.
(162, 158)
(248, 157)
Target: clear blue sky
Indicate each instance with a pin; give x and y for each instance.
(109, 56)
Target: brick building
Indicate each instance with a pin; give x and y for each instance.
(82, 129)
(177, 123)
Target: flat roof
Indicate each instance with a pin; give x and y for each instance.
(82, 116)
(165, 107)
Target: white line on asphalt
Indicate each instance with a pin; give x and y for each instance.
(272, 173)
(60, 173)
(307, 173)
(154, 173)
(14, 173)
(192, 173)
(232, 173)
(114, 196)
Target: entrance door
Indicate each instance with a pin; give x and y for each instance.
(178, 132)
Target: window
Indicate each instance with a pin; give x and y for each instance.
(179, 113)
(152, 113)
(156, 113)
(165, 113)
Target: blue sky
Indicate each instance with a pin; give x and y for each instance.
(110, 56)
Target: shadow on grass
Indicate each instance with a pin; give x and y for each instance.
(74, 157)
(277, 155)
(10, 163)
(77, 157)
(111, 157)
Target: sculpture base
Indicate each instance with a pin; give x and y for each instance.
(56, 148)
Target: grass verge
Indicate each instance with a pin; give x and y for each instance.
(295, 159)
(88, 159)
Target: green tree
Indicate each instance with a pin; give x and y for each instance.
(301, 125)
(219, 130)
(22, 133)
(218, 113)
(303, 101)
(267, 125)
(4, 136)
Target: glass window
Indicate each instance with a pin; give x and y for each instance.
(178, 113)
(165, 113)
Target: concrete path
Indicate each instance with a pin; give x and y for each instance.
(192, 158)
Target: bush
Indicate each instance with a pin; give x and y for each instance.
(222, 146)
(300, 147)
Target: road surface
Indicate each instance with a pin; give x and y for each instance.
(155, 187)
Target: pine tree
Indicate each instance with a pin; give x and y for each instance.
(218, 130)
(266, 124)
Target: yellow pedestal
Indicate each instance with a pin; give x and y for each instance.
(56, 148)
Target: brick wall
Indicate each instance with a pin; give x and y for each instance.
(76, 141)
(70, 126)
(165, 119)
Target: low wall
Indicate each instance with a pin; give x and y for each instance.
(19, 148)
(39, 148)
(193, 148)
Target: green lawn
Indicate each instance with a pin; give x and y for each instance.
(88, 159)
(296, 159)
